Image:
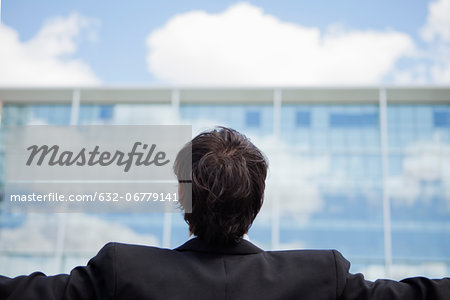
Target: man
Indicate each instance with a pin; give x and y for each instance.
(228, 180)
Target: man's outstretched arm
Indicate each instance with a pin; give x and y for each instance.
(354, 286)
(416, 288)
(95, 281)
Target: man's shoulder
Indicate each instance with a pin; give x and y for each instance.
(305, 252)
(120, 248)
(135, 256)
(304, 257)
(308, 253)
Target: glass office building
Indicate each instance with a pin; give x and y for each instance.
(363, 170)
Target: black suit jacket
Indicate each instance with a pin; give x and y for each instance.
(197, 270)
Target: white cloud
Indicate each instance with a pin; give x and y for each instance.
(83, 234)
(45, 60)
(34, 242)
(423, 163)
(432, 62)
(440, 70)
(245, 46)
(438, 21)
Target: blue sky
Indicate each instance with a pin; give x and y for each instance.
(120, 51)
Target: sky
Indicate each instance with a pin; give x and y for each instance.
(225, 43)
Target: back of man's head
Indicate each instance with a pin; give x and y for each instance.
(228, 181)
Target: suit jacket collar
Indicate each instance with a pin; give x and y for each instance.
(242, 247)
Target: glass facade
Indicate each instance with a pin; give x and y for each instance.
(324, 190)
(339, 165)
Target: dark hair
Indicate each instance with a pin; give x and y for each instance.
(228, 181)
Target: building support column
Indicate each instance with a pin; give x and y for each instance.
(385, 188)
(277, 99)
